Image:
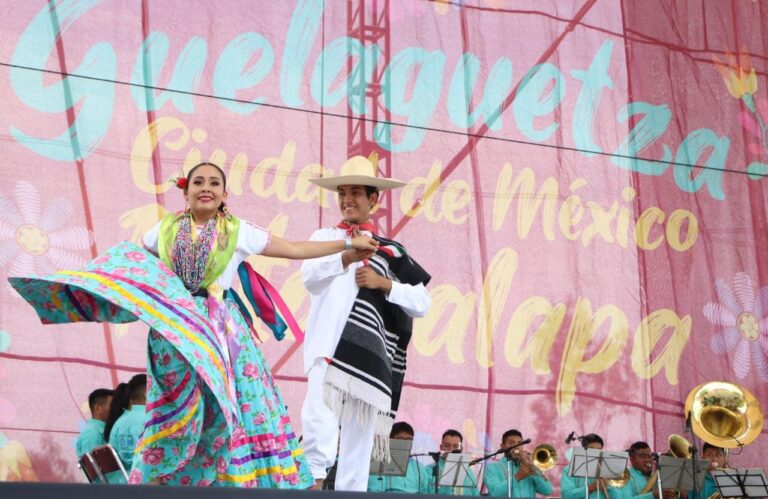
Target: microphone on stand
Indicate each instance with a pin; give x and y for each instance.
(508, 451)
(522, 442)
(570, 438)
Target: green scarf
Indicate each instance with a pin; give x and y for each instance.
(227, 228)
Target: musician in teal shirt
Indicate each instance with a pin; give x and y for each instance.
(125, 434)
(452, 441)
(515, 475)
(717, 459)
(572, 487)
(416, 479)
(640, 470)
(92, 435)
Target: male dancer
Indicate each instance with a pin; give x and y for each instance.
(357, 333)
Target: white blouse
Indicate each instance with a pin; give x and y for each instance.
(251, 240)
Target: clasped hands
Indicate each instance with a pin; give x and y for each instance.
(364, 243)
(365, 277)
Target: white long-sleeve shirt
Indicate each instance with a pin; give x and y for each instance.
(332, 291)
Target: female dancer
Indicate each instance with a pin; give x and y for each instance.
(214, 415)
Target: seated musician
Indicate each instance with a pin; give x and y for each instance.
(416, 479)
(641, 482)
(716, 457)
(452, 441)
(572, 487)
(515, 475)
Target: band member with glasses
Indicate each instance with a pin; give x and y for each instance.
(641, 482)
(451, 442)
(416, 479)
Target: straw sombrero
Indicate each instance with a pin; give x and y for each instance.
(358, 170)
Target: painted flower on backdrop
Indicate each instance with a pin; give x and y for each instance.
(36, 239)
(741, 81)
(738, 74)
(15, 465)
(743, 315)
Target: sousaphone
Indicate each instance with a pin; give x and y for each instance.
(724, 414)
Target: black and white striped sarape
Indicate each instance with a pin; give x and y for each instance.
(367, 370)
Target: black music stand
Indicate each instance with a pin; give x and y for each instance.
(597, 463)
(741, 482)
(678, 473)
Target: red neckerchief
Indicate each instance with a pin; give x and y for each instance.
(355, 229)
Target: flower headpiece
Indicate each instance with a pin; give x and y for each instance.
(180, 182)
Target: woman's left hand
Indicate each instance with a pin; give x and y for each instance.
(364, 243)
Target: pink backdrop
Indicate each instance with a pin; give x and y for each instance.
(584, 184)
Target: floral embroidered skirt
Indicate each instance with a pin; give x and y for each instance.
(263, 451)
(214, 415)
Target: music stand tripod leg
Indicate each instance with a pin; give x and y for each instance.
(658, 478)
(586, 487)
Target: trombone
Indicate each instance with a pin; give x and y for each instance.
(543, 458)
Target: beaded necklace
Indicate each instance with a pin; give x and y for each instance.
(190, 253)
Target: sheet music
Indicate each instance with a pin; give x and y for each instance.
(598, 463)
(455, 469)
(677, 473)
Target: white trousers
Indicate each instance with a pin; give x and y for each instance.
(321, 437)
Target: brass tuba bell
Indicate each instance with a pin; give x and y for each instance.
(679, 446)
(544, 457)
(724, 414)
